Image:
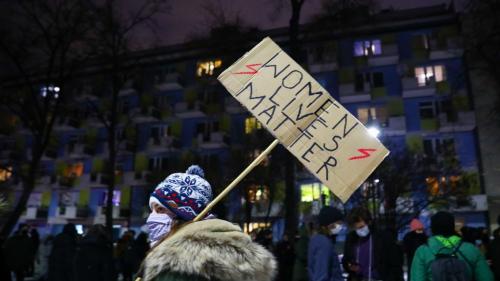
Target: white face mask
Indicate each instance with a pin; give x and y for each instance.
(336, 230)
(159, 225)
(363, 232)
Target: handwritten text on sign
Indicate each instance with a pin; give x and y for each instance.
(321, 133)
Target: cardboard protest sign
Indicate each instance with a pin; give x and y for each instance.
(304, 117)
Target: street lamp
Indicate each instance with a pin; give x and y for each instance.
(372, 124)
(373, 131)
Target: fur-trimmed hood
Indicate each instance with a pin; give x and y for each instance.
(211, 249)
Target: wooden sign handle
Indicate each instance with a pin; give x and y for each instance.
(243, 174)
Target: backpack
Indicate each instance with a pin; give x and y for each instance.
(448, 267)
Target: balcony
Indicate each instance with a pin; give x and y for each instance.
(146, 114)
(100, 216)
(429, 124)
(160, 144)
(135, 178)
(127, 91)
(396, 126)
(465, 121)
(411, 89)
(189, 110)
(322, 66)
(67, 212)
(389, 56)
(169, 82)
(449, 48)
(348, 94)
(213, 140)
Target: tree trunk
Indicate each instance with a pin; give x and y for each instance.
(112, 154)
(291, 198)
(28, 187)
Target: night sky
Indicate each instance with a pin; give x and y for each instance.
(188, 17)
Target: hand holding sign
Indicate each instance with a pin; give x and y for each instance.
(304, 117)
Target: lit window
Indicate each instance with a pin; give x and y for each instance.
(115, 200)
(313, 192)
(367, 114)
(252, 124)
(74, 170)
(258, 193)
(367, 48)
(5, 174)
(426, 75)
(50, 90)
(206, 68)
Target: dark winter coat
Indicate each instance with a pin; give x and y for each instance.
(62, 257)
(285, 254)
(387, 257)
(214, 250)
(94, 259)
(19, 252)
(323, 260)
(301, 248)
(411, 242)
(495, 257)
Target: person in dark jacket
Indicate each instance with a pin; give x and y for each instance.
(4, 269)
(285, 254)
(138, 251)
(322, 260)
(62, 256)
(35, 241)
(94, 259)
(370, 253)
(446, 241)
(412, 240)
(300, 248)
(18, 252)
(496, 232)
(123, 252)
(495, 257)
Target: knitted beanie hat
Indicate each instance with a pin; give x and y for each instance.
(416, 224)
(328, 215)
(185, 194)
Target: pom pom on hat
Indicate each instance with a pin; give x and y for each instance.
(416, 225)
(185, 194)
(195, 170)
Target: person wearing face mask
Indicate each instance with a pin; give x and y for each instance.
(369, 253)
(322, 260)
(412, 240)
(210, 249)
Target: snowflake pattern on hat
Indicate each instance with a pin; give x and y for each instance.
(185, 194)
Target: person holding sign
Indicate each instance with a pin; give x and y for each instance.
(370, 254)
(210, 249)
(323, 261)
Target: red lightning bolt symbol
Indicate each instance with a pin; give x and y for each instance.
(251, 67)
(365, 152)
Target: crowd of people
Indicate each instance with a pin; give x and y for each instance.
(72, 257)
(184, 249)
(371, 253)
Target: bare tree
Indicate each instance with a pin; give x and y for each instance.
(482, 40)
(40, 47)
(112, 41)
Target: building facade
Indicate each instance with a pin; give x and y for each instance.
(404, 73)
